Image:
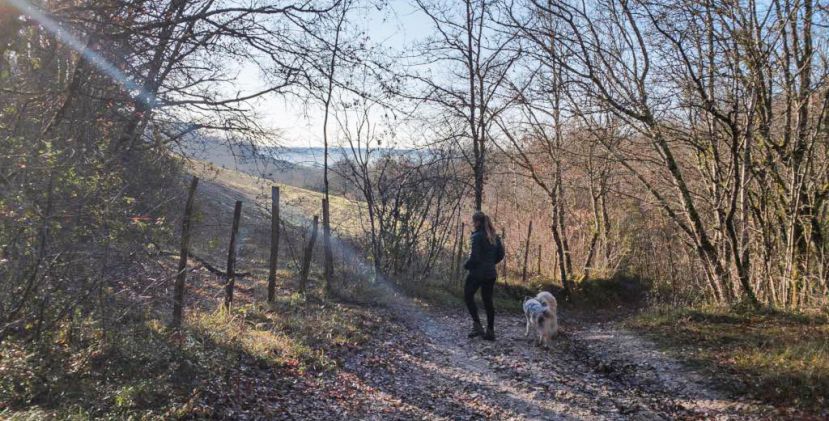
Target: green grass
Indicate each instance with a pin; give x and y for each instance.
(147, 371)
(781, 358)
(609, 295)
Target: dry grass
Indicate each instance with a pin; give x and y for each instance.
(142, 370)
(291, 332)
(781, 358)
(298, 205)
(149, 371)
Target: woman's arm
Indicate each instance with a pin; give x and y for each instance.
(474, 253)
(499, 250)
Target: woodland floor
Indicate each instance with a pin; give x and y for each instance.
(419, 364)
(397, 358)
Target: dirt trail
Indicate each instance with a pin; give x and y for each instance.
(423, 366)
(420, 365)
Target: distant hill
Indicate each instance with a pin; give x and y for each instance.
(296, 166)
(314, 156)
(255, 161)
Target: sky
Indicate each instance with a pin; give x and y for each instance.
(395, 26)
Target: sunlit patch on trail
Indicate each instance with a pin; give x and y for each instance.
(389, 291)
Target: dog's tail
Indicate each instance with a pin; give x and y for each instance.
(546, 314)
(546, 298)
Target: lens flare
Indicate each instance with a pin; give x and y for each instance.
(76, 44)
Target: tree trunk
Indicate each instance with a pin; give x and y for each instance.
(453, 259)
(606, 233)
(591, 251)
(560, 254)
(328, 263)
(328, 256)
(597, 228)
(479, 176)
(458, 261)
(538, 271)
(504, 262)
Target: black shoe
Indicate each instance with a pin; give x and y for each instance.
(489, 335)
(477, 330)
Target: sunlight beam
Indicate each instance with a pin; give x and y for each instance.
(133, 88)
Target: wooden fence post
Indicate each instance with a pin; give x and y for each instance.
(181, 275)
(231, 256)
(309, 253)
(527, 251)
(274, 243)
(459, 260)
(539, 259)
(328, 255)
(454, 256)
(504, 262)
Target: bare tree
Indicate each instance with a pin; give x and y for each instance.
(98, 95)
(717, 114)
(463, 68)
(412, 198)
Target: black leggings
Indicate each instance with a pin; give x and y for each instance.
(469, 290)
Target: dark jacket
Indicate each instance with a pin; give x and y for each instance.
(483, 256)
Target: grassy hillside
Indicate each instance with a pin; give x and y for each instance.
(141, 369)
(298, 205)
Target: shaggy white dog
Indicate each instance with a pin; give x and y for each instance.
(541, 314)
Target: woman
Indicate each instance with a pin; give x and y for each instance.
(486, 251)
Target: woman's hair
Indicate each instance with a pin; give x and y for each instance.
(482, 221)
